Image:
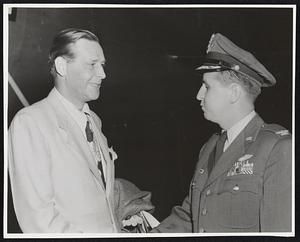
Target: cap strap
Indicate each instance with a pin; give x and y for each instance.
(229, 62)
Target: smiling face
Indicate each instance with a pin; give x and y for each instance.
(215, 98)
(84, 73)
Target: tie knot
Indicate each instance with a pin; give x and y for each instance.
(223, 136)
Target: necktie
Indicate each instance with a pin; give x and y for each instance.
(220, 145)
(218, 151)
(90, 138)
(89, 132)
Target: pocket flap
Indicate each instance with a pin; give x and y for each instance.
(235, 186)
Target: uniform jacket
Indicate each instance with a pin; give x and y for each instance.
(56, 185)
(249, 189)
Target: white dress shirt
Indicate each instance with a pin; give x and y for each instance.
(80, 118)
(234, 131)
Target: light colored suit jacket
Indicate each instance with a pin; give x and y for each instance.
(248, 190)
(56, 185)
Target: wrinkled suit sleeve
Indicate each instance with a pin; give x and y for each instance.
(276, 204)
(30, 174)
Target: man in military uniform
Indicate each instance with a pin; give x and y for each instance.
(242, 181)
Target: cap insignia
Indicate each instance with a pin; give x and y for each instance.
(210, 44)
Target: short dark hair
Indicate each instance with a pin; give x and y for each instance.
(61, 45)
(252, 89)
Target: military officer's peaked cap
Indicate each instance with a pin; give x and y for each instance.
(223, 54)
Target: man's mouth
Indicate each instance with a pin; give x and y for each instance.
(95, 84)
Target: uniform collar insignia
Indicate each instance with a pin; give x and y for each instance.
(250, 138)
(283, 132)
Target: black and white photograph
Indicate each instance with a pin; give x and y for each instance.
(149, 120)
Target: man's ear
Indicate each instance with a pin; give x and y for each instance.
(60, 66)
(235, 92)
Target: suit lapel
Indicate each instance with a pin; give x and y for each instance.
(237, 148)
(110, 175)
(74, 138)
(109, 164)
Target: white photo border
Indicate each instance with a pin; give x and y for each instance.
(6, 8)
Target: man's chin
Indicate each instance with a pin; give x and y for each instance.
(94, 95)
(207, 117)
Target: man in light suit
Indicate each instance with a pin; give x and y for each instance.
(242, 181)
(60, 165)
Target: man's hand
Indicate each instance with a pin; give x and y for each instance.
(132, 221)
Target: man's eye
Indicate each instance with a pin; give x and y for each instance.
(92, 65)
(205, 85)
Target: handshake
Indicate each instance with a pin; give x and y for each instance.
(133, 208)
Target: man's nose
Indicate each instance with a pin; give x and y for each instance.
(201, 93)
(100, 71)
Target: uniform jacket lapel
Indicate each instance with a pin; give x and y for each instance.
(204, 155)
(237, 149)
(74, 136)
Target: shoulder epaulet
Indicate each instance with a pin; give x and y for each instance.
(276, 129)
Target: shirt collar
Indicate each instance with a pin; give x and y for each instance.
(77, 115)
(234, 131)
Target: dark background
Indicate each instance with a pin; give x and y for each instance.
(148, 101)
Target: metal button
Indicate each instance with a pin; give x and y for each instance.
(208, 192)
(204, 211)
(201, 230)
(236, 188)
(201, 171)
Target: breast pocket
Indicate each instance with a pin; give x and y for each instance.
(239, 201)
